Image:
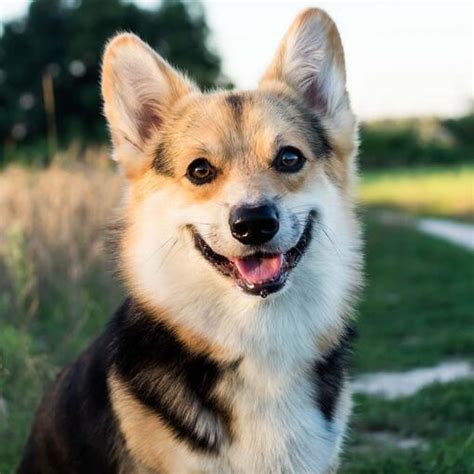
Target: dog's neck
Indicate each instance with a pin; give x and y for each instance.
(279, 334)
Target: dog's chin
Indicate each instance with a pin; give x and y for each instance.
(260, 273)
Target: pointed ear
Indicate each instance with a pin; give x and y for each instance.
(310, 60)
(138, 87)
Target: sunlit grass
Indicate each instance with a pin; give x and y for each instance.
(442, 191)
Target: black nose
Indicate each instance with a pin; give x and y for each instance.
(254, 225)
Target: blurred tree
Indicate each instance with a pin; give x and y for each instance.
(462, 129)
(65, 39)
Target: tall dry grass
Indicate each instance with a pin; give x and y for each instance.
(52, 229)
(56, 284)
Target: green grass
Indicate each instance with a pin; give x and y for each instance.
(417, 311)
(441, 191)
(418, 303)
(440, 416)
(24, 373)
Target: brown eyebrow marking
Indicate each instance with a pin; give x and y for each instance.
(161, 162)
(278, 143)
(236, 104)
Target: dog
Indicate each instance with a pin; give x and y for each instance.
(241, 254)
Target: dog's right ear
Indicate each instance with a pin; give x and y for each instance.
(138, 87)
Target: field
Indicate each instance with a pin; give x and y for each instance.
(57, 290)
(437, 191)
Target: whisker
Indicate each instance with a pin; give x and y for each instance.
(218, 203)
(152, 254)
(325, 230)
(168, 254)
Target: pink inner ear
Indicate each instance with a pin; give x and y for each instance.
(148, 119)
(315, 98)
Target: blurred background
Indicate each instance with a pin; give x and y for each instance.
(411, 78)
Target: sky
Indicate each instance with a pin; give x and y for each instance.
(404, 58)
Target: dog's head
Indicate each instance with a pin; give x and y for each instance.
(232, 191)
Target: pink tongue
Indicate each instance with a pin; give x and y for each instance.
(257, 270)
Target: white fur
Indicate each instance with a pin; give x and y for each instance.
(279, 427)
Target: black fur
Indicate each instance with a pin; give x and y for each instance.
(303, 119)
(166, 377)
(330, 374)
(161, 163)
(236, 104)
(318, 139)
(75, 430)
(314, 130)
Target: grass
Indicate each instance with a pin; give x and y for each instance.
(440, 191)
(56, 290)
(439, 416)
(417, 312)
(56, 293)
(418, 303)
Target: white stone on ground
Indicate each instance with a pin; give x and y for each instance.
(459, 233)
(387, 439)
(392, 385)
(456, 232)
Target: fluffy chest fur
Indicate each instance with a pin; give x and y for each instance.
(182, 411)
(281, 432)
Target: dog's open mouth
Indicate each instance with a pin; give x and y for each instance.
(259, 273)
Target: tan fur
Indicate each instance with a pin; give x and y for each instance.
(325, 343)
(133, 104)
(155, 111)
(326, 43)
(146, 436)
(245, 151)
(275, 71)
(195, 343)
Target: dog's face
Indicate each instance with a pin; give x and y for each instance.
(232, 191)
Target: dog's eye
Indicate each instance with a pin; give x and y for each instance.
(200, 171)
(289, 160)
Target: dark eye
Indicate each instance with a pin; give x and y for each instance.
(200, 171)
(289, 160)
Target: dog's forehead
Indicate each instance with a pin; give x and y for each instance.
(248, 122)
(226, 112)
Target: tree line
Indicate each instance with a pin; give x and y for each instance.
(50, 62)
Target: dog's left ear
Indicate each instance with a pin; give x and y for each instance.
(139, 89)
(310, 60)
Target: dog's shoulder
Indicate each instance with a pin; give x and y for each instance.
(330, 372)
